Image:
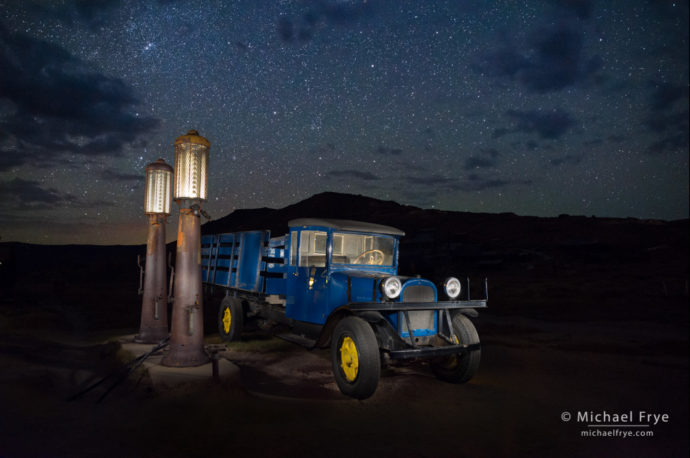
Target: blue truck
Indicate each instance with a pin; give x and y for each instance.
(335, 283)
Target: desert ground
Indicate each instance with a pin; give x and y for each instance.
(286, 403)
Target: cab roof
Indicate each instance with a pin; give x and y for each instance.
(345, 225)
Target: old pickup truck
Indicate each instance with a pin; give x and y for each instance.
(335, 283)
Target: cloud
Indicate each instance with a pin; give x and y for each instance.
(9, 159)
(119, 176)
(593, 142)
(474, 162)
(580, 8)
(672, 142)
(660, 122)
(469, 183)
(286, 30)
(548, 124)
(499, 132)
(54, 104)
(665, 95)
(671, 127)
(98, 203)
(490, 159)
(428, 180)
(20, 192)
(557, 60)
(92, 13)
(349, 173)
(493, 152)
(323, 149)
(568, 159)
(241, 46)
(505, 61)
(391, 151)
(551, 59)
(411, 165)
(318, 16)
(475, 182)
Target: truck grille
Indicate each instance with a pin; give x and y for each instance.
(418, 293)
(421, 321)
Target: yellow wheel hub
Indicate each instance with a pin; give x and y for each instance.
(227, 320)
(349, 360)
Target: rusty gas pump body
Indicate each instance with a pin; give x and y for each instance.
(187, 330)
(154, 306)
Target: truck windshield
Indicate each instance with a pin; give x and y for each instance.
(363, 249)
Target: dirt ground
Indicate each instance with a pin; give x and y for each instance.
(287, 404)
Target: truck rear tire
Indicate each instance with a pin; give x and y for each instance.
(230, 319)
(355, 357)
(459, 368)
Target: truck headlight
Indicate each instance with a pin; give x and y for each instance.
(391, 287)
(452, 287)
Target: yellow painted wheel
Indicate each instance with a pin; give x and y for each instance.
(227, 320)
(349, 360)
(450, 363)
(355, 357)
(459, 368)
(230, 319)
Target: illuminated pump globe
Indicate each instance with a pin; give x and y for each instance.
(191, 166)
(158, 188)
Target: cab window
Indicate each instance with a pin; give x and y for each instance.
(363, 249)
(312, 248)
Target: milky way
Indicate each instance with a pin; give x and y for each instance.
(537, 108)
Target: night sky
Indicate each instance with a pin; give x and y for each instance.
(537, 108)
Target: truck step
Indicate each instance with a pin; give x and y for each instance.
(299, 340)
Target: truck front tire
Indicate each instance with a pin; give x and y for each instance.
(459, 368)
(230, 319)
(355, 357)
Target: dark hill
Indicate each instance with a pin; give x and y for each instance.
(324, 205)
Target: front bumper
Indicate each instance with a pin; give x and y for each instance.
(391, 306)
(400, 346)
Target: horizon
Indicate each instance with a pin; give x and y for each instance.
(540, 109)
(140, 240)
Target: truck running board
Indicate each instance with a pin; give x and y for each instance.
(299, 340)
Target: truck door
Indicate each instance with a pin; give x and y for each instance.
(307, 294)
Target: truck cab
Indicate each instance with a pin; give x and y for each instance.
(334, 262)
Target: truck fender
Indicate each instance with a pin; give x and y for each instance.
(386, 336)
(338, 314)
(470, 312)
